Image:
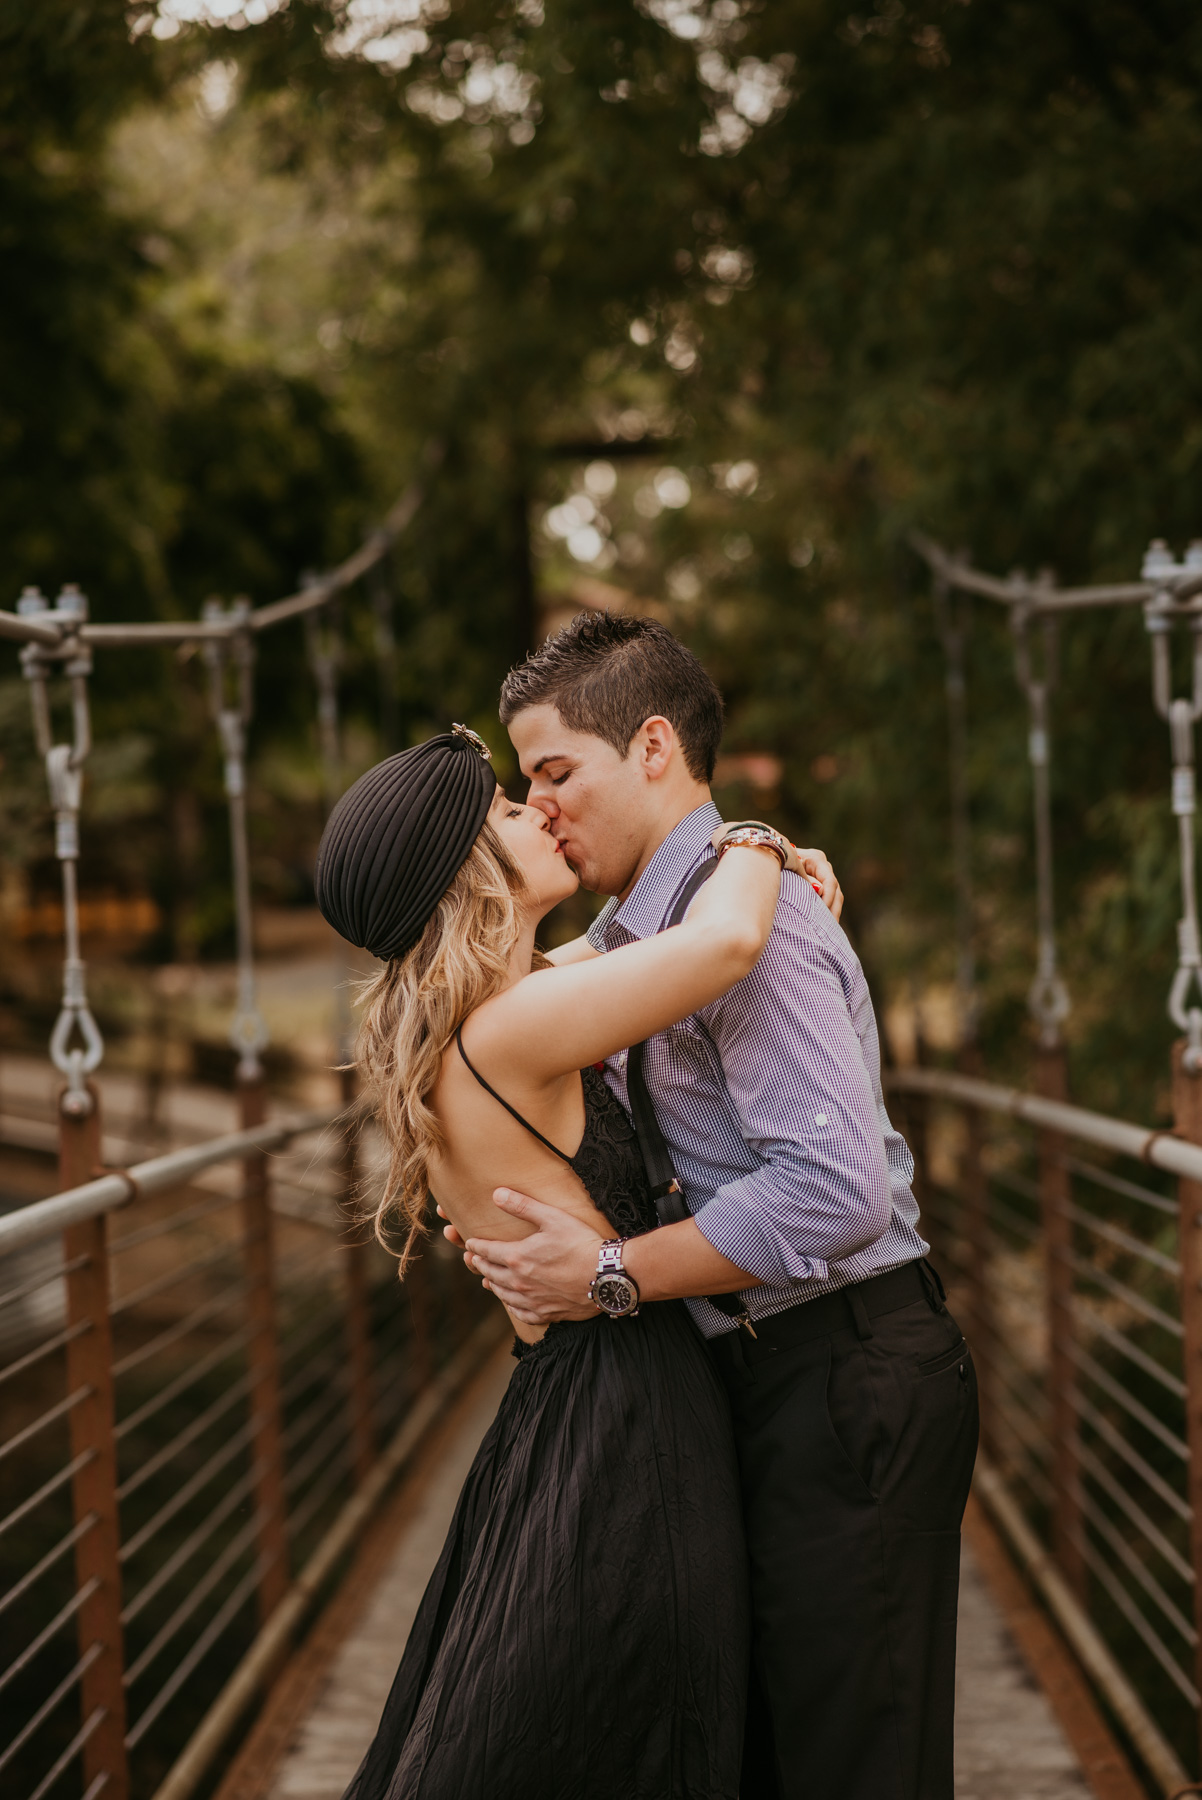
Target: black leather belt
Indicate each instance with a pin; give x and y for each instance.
(851, 1308)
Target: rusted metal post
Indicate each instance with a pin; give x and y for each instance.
(980, 1298)
(94, 1485)
(419, 1286)
(918, 1126)
(1187, 1119)
(358, 1340)
(462, 1287)
(1055, 1194)
(263, 1354)
(917, 1123)
(358, 1298)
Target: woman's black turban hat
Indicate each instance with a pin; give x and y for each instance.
(397, 839)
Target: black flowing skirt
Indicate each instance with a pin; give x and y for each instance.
(585, 1632)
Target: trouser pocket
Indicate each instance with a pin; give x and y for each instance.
(957, 1353)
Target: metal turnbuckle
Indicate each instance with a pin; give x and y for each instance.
(1161, 613)
(1049, 1006)
(64, 777)
(76, 1063)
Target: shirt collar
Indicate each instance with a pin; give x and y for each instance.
(645, 907)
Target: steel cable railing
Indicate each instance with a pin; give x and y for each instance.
(1070, 1273)
(200, 1478)
(191, 1355)
(181, 1427)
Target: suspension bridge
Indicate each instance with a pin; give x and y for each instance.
(229, 1445)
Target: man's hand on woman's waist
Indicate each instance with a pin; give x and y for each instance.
(546, 1276)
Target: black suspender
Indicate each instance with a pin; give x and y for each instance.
(666, 1190)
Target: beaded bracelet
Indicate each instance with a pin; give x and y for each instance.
(758, 837)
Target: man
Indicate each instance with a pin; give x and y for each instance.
(853, 1393)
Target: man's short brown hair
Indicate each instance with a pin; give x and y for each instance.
(606, 673)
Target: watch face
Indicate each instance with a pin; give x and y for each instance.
(614, 1294)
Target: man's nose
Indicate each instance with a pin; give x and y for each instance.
(543, 799)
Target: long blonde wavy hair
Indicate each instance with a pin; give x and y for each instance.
(411, 1011)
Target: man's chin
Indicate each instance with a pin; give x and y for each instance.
(584, 873)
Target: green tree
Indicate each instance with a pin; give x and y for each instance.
(138, 455)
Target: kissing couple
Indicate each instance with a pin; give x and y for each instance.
(709, 1547)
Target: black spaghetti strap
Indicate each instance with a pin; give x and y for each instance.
(511, 1110)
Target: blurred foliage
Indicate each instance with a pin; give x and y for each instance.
(750, 291)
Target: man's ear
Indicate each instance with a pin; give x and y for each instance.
(655, 742)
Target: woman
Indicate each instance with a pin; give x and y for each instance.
(585, 1631)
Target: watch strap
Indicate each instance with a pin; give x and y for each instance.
(609, 1264)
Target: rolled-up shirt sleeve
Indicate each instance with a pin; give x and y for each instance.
(795, 1072)
(596, 931)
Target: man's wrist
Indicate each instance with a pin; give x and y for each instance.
(677, 1263)
(645, 1264)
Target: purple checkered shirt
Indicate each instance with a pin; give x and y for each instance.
(770, 1099)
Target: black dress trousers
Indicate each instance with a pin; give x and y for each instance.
(856, 1452)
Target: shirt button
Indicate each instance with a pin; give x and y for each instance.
(820, 1118)
(622, 1055)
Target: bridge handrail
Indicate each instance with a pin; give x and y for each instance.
(42, 1219)
(196, 1390)
(1080, 1292)
(1161, 1149)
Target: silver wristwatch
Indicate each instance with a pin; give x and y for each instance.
(611, 1288)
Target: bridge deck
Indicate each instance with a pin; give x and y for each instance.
(1013, 1743)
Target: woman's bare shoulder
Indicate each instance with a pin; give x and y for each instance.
(498, 1031)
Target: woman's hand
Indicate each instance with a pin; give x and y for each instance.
(789, 852)
(813, 865)
(817, 869)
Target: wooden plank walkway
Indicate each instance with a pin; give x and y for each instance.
(1009, 1745)
(1012, 1743)
(330, 1742)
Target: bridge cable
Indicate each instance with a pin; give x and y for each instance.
(64, 774)
(324, 645)
(952, 624)
(1047, 997)
(1161, 613)
(230, 663)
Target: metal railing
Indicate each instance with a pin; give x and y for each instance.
(1075, 1266)
(201, 1397)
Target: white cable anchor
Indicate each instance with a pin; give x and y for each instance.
(64, 775)
(1160, 614)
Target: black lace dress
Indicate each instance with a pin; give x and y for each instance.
(585, 1631)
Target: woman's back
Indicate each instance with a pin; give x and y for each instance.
(571, 1146)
